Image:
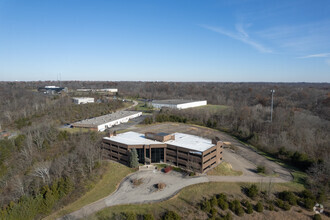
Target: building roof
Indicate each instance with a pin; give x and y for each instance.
(92, 122)
(188, 141)
(192, 142)
(132, 138)
(174, 101)
(80, 98)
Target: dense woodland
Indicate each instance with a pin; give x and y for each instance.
(45, 167)
(43, 164)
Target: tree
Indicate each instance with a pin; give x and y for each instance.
(148, 216)
(42, 170)
(133, 158)
(249, 208)
(171, 215)
(259, 207)
(252, 191)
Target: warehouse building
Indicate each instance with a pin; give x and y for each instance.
(52, 90)
(109, 90)
(183, 150)
(82, 100)
(107, 121)
(177, 103)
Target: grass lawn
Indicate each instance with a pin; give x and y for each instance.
(224, 169)
(214, 107)
(186, 203)
(187, 199)
(141, 107)
(110, 180)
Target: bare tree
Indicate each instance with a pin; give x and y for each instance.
(42, 170)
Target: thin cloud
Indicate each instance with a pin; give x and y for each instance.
(315, 55)
(328, 62)
(240, 36)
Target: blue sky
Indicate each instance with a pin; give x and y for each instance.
(165, 40)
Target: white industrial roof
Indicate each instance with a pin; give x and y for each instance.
(105, 118)
(191, 142)
(132, 138)
(175, 101)
(188, 141)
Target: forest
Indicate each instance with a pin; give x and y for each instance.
(43, 163)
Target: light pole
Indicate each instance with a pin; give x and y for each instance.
(271, 108)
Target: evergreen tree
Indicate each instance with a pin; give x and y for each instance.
(133, 158)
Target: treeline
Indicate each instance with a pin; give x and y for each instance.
(22, 107)
(314, 97)
(44, 168)
(41, 204)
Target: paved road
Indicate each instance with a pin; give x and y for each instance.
(127, 193)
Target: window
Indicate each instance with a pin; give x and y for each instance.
(157, 155)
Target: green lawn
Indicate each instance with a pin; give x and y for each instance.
(110, 180)
(213, 108)
(224, 169)
(141, 107)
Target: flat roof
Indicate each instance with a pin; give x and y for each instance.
(132, 138)
(187, 141)
(192, 142)
(105, 118)
(175, 101)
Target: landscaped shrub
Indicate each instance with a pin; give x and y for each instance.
(283, 204)
(261, 169)
(309, 204)
(192, 174)
(171, 215)
(223, 204)
(259, 207)
(271, 207)
(288, 196)
(148, 216)
(214, 201)
(130, 216)
(228, 216)
(161, 186)
(206, 206)
(236, 207)
(249, 208)
(252, 191)
(222, 196)
(168, 169)
(213, 212)
(317, 217)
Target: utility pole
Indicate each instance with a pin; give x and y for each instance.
(271, 108)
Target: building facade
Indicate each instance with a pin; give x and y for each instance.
(82, 100)
(183, 150)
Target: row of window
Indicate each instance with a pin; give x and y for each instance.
(210, 153)
(210, 159)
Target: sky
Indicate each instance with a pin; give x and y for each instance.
(165, 40)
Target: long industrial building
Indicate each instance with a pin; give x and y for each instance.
(83, 100)
(183, 150)
(107, 121)
(177, 103)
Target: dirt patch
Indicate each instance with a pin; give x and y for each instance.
(137, 182)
